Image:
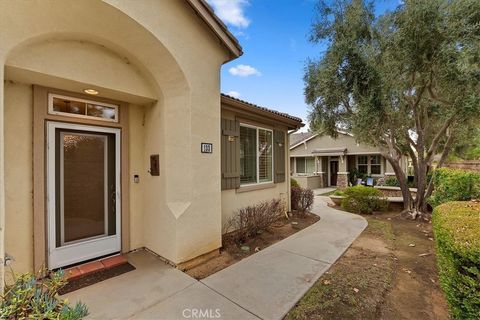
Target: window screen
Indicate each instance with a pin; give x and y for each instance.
(248, 155)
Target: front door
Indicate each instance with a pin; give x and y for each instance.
(83, 182)
(333, 172)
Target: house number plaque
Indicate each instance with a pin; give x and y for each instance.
(206, 147)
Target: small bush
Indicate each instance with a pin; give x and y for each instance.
(454, 185)
(305, 201)
(295, 194)
(294, 183)
(338, 193)
(249, 220)
(456, 226)
(361, 199)
(392, 182)
(31, 298)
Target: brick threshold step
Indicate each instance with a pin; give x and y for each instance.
(94, 266)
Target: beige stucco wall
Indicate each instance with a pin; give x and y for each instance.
(327, 142)
(137, 165)
(232, 200)
(142, 52)
(18, 175)
(309, 182)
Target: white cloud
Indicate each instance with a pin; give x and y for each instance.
(243, 70)
(234, 94)
(231, 12)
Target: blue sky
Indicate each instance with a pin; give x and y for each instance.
(274, 37)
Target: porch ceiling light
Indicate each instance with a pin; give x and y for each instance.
(90, 91)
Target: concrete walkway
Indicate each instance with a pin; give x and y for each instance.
(265, 285)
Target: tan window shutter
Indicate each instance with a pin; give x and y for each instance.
(230, 154)
(279, 154)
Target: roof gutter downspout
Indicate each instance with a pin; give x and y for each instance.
(287, 173)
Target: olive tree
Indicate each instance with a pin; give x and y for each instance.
(406, 81)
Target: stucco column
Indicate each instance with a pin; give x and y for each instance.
(320, 171)
(342, 175)
(2, 184)
(288, 174)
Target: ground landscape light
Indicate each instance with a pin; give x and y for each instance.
(90, 91)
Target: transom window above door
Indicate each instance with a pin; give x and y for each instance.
(82, 108)
(256, 155)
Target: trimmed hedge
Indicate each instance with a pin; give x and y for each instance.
(454, 185)
(456, 226)
(361, 199)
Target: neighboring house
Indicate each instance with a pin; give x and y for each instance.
(318, 161)
(114, 135)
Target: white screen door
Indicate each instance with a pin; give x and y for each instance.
(83, 185)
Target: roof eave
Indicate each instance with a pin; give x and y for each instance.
(292, 124)
(205, 12)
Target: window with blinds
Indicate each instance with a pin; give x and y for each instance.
(301, 165)
(305, 165)
(310, 164)
(362, 164)
(256, 155)
(265, 155)
(248, 155)
(375, 164)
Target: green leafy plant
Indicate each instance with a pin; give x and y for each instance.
(294, 183)
(338, 193)
(454, 185)
(354, 175)
(392, 182)
(456, 226)
(361, 199)
(32, 298)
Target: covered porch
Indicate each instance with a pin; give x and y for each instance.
(331, 167)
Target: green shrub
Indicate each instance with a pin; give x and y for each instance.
(361, 199)
(354, 175)
(454, 185)
(294, 183)
(338, 193)
(392, 182)
(456, 226)
(32, 298)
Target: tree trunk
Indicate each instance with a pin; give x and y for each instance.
(403, 182)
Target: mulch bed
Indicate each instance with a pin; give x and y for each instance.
(96, 277)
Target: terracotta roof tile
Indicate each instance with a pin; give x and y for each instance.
(285, 115)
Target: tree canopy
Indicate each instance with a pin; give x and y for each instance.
(407, 81)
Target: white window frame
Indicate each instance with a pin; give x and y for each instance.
(369, 164)
(84, 116)
(257, 128)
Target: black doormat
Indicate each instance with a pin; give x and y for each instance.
(96, 277)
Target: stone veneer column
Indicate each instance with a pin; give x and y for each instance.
(342, 175)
